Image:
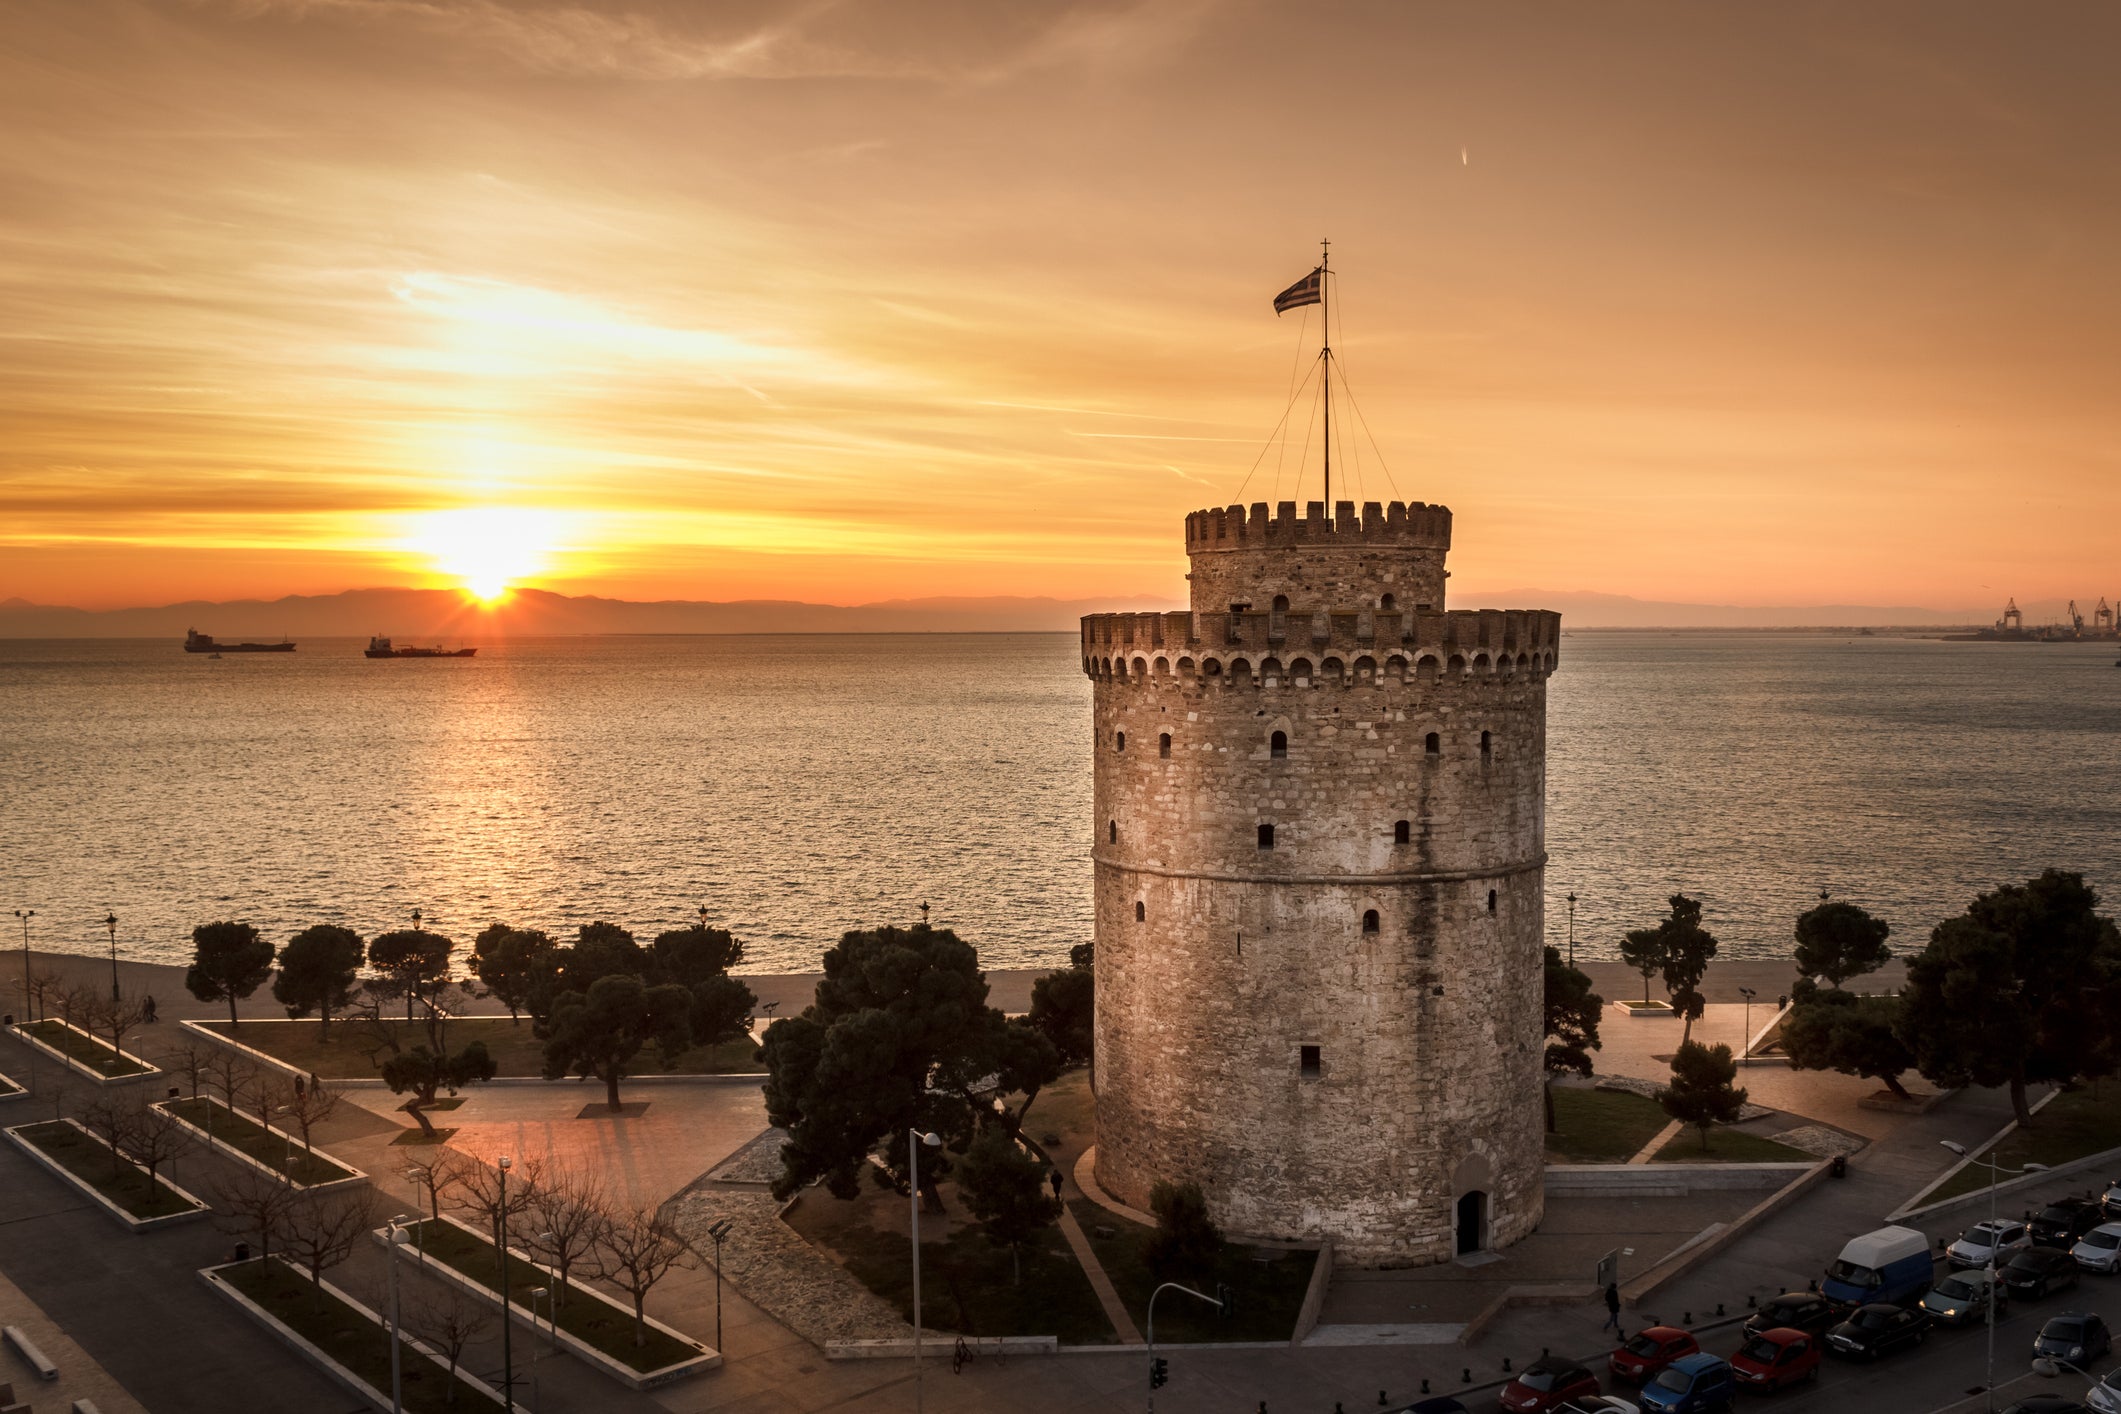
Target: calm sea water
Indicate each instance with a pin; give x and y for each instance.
(799, 786)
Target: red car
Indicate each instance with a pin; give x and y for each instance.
(1773, 1359)
(1643, 1358)
(1547, 1383)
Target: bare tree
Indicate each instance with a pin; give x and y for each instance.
(111, 1117)
(194, 1061)
(479, 1191)
(301, 1106)
(323, 1230)
(255, 1203)
(38, 989)
(636, 1250)
(450, 1322)
(438, 1173)
(567, 1215)
(115, 1018)
(156, 1137)
(78, 999)
(235, 1075)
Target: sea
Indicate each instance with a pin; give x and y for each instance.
(795, 787)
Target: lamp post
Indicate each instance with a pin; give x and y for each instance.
(1572, 928)
(396, 1238)
(110, 921)
(1748, 993)
(1988, 1385)
(1155, 1372)
(719, 1231)
(500, 1222)
(537, 1294)
(24, 918)
(914, 1140)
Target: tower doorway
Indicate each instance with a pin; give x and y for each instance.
(1472, 1222)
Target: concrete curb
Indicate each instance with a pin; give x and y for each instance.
(991, 1344)
(1085, 1177)
(229, 1151)
(10, 1090)
(332, 1369)
(1683, 1260)
(198, 1209)
(2103, 1159)
(86, 1072)
(1915, 1204)
(1314, 1294)
(708, 1359)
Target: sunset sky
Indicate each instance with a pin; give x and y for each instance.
(1780, 304)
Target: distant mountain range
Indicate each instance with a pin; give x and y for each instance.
(410, 614)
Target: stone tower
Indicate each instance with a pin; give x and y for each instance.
(1320, 851)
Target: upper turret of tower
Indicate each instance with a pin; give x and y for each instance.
(1391, 556)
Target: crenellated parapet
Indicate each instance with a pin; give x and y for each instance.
(1394, 523)
(1458, 642)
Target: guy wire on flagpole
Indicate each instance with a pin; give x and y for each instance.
(1325, 324)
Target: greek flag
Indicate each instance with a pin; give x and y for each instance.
(1303, 292)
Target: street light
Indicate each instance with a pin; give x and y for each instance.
(1989, 1384)
(719, 1231)
(552, 1316)
(1748, 993)
(110, 921)
(914, 1140)
(500, 1219)
(396, 1239)
(24, 919)
(1156, 1370)
(1572, 929)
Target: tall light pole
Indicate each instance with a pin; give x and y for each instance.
(719, 1231)
(1156, 1374)
(110, 921)
(1748, 993)
(396, 1238)
(24, 918)
(500, 1220)
(1988, 1385)
(1572, 928)
(914, 1140)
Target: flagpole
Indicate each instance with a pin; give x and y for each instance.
(1325, 360)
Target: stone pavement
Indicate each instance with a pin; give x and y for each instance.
(80, 1377)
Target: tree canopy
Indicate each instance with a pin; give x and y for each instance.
(413, 962)
(424, 1071)
(229, 962)
(1838, 941)
(1572, 1011)
(1834, 1030)
(899, 1036)
(319, 968)
(599, 1032)
(2024, 988)
(1064, 1007)
(512, 963)
(1679, 948)
(1702, 1092)
(1005, 1188)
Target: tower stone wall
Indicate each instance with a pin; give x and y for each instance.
(1335, 1029)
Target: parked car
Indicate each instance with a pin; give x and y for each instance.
(2105, 1396)
(1878, 1329)
(1691, 1384)
(1891, 1264)
(2047, 1404)
(2110, 1201)
(1649, 1351)
(1773, 1359)
(1963, 1298)
(1441, 1404)
(2100, 1249)
(1546, 1384)
(2063, 1221)
(1795, 1310)
(1998, 1239)
(2039, 1270)
(1599, 1404)
(2079, 1337)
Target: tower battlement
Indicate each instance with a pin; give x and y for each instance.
(1479, 640)
(1413, 524)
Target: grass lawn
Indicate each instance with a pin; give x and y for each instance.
(96, 1054)
(1602, 1126)
(2070, 1126)
(346, 1053)
(89, 1159)
(1267, 1284)
(248, 1136)
(580, 1314)
(966, 1282)
(1728, 1146)
(361, 1345)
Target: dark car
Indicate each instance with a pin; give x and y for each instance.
(2062, 1222)
(2079, 1337)
(1693, 1384)
(1546, 1384)
(2038, 1270)
(1442, 1404)
(1649, 1351)
(1878, 1329)
(1797, 1311)
(1773, 1359)
(2048, 1404)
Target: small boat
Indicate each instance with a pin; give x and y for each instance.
(380, 647)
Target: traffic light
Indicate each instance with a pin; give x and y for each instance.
(1159, 1372)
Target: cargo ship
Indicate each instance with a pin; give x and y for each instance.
(197, 642)
(379, 647)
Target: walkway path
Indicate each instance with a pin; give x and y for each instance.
(1107, 1296)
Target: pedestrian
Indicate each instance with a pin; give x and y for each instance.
(147, 1009)
(1612, 1308)
(1055, 1178)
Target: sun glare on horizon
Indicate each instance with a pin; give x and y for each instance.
(488, 549)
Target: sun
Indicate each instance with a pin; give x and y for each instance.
(488, 549)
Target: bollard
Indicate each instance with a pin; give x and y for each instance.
(1506, 1364)
(1545, 1351)
(1719, 1305)
(1465, 1377)
(1750, 1303)
(1689, 1319)
(1424, 1387)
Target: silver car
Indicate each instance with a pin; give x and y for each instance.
(2100, 1249)
(1994, 1241)
(2105, 1396)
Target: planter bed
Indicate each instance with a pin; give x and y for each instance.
(73, 1153)
(261, 1146)
(9, 1090)
(347, 1340)
(76, 1049)
(303, 1047)
(595, 1326)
